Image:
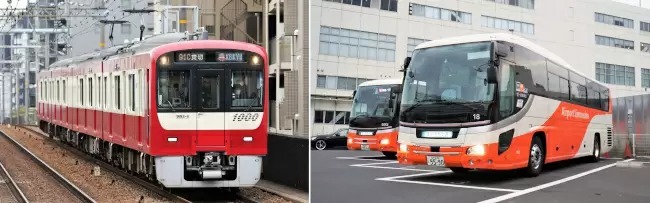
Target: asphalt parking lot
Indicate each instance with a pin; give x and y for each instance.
(361, 176)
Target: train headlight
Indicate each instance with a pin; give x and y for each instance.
(477, 150)
(403, 147)
(164, 60)
(384, 141)
(255, 60)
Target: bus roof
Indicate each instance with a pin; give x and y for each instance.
(381, 82)
(507, 37)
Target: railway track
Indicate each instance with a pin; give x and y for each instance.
(10, 187)
(159, 190)
(76, 192)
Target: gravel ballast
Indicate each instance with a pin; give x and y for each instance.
(107, 187)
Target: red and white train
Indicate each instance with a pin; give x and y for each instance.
(184, 113)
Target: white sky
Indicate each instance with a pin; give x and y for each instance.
(642, 3)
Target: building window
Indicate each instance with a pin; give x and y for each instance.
(529, 4)
(440, 13)
(505, 24)
(320, 82)
(614, 42)
(615, 74)
(126, 28)
(386, 5)
(644, 26)
(614, 20)
(645, 77)
(412, 43)
(337, 82)
(645, 47)
(332, 117)
(357, 44)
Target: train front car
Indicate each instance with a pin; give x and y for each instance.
(209, 106)
(374, 120)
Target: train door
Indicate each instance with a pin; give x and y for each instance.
(210, 104)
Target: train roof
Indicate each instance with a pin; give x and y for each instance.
(507, 37)
(135, 46)
(381, 82)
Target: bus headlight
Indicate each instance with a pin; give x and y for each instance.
(477, 150)
(403, 147)
(384, 141)
(349, 140)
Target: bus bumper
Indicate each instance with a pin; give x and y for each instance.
(386, 142)
(458, 157)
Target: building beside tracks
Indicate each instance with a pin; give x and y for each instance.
(356, 41)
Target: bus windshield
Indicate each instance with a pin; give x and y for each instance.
(372, 101)
(448, 84)
(371, 107)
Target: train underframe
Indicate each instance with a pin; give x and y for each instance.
(204, 169)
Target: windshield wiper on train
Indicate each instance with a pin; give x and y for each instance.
(170, 105)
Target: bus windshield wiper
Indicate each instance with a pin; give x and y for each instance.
(419, 103)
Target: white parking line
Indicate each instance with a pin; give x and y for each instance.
(543, 186)
(364, 158)
(373, 165)
(396, 179)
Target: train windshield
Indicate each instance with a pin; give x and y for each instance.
(247, 88)
(174, 89)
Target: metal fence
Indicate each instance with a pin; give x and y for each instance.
(630, 145)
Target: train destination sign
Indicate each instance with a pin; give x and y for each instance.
(190, 56)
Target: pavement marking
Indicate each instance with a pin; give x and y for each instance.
(395, 179)
(611, 158)
(365, 158)
(372, 165)
(550, 184)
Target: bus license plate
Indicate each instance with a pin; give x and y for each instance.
(435, 161)
(365, 147)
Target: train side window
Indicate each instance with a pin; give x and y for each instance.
(117, 92)
(139, 92)
(105, 100)
(90, 93)
(81, 92)
(131, 94)
(63, 91)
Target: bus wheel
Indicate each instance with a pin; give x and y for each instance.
(459, 170)
(390, 154)
(595, 156)
(536, 158)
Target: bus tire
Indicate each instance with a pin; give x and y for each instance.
(459, 170)
(536, 157)
(595, 153)
(389, 154)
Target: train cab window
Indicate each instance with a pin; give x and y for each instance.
(174, 89)
(247, 88)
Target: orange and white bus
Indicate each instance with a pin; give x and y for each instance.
(498, 102)
(373, 121)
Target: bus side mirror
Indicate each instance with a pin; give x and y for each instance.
(354, 93)
(390, 102)
(407, 61)
(492, 75)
